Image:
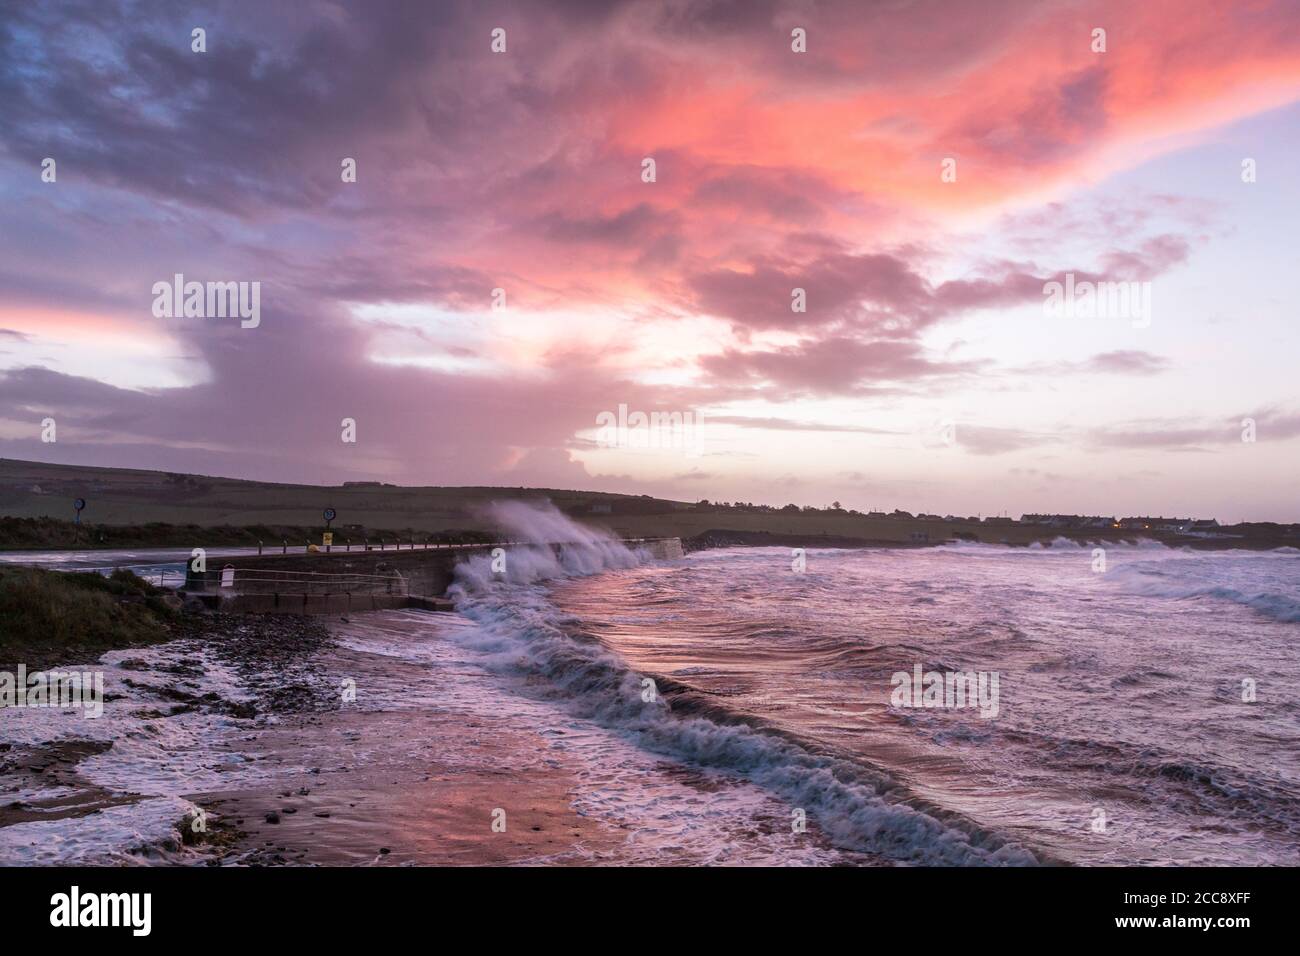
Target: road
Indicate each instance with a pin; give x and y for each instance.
(160, 565)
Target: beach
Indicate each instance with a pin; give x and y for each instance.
(415, 771)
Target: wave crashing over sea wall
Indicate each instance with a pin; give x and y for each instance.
(520, 631)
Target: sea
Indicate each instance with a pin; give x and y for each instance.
(965, 704)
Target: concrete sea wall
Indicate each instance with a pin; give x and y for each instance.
(320, 582)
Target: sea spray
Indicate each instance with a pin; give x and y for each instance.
(521, 631)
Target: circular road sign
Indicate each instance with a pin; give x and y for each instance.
(79, 503)
(330, 514)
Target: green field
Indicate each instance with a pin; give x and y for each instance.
(224, 507)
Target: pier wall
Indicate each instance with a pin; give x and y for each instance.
(339, 581)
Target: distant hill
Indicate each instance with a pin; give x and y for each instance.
(230, 510)
(138, 498)
(124, 496)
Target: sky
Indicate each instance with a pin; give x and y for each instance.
(823, 235)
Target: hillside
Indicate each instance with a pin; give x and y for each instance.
(145, 508)
(119, 496)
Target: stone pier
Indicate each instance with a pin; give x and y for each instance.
(340, 581)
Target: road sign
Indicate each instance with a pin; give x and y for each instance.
(79, 503)
(327, 538)
(330, 515)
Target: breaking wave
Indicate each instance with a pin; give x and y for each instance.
(1190, 580)
(520, 631)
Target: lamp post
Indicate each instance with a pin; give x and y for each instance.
(330, 514)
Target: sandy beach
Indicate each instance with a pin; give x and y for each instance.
(357, 786)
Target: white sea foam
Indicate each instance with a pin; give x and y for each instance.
(520, 630)
(161, 758)
(142, 832)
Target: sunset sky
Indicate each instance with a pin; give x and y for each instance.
(924, 375)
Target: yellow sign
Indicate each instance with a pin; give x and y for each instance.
(327, 538)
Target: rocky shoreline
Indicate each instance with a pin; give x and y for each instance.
(273, 661)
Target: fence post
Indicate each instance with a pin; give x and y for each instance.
(284, 545)
(259, 549)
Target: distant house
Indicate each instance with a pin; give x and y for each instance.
(1063, 521)
(1204, 524)
(1148, 523)
(996, 519)
(876, 514)
(1070, 521)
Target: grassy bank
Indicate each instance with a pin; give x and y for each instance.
(52, 617)
(39, 534)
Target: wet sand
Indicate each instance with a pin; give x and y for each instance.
(381, 788)
(437, 760)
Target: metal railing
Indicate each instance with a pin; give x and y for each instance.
(303, 582)
(277, 581)
(410, 544)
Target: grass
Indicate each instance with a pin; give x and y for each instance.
(55, 617)
(135, 508)
(38, 534)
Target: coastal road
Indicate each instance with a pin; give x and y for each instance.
(157, 564)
